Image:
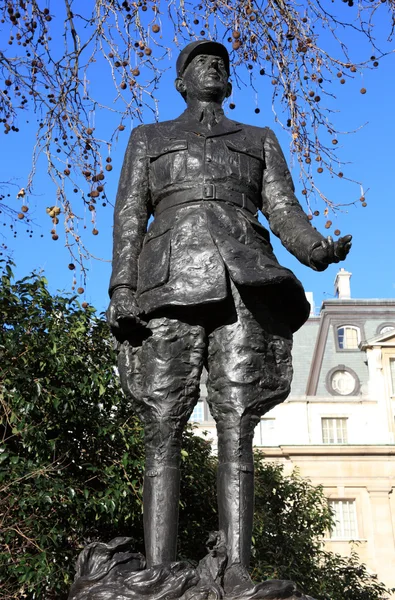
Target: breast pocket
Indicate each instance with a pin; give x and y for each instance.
(247, 161)
(168, 161)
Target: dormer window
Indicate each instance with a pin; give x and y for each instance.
(348, 337)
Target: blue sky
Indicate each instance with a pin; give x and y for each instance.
(370, 150)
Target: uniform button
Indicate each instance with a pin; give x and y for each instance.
(208, 159)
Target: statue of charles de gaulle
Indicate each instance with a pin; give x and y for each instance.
(202, 287)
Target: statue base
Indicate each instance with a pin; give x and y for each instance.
(113, 572)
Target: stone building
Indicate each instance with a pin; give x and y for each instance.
(338, 427)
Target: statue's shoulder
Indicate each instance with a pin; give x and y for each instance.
(157, 127)
(253, 130)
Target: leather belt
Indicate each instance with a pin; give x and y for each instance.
(207, 191)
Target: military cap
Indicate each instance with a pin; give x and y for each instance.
(201, 47)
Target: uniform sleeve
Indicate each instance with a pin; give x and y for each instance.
(280, 206)
(132, 210)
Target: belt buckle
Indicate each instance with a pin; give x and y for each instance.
(209, 191)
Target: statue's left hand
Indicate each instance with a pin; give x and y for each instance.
(327, 251)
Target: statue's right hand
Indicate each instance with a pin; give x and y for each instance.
(123, 313)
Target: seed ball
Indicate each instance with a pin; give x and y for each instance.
(317, 98)
(84, 305)
(21, 216)
(24, 209)
(89, 131)
(364, 204)
(136, 72)
(334, 142)
(121, 127)
(328, 224)
(94, 194)
(376, 64)
(80, 290)
(108, 159)
(310, 217)
(91, 207)
(232, 106)
(353, 69)
(236, 44)
(236, 35)
(100, 188)
(320, 170)
(66, 171)
(363, 90)
(337, 232)
(257, 111)
(342, 81)
(108, 167)
(311, 93)
(316, 213)
(362, 199)
(55, 237)
(52, 213)
(340, 174)
(123, 86)
(71, 267)
(308, 161)
(155, 28)
(95, 231)
(55, 220)
(8, 82)
(148, 51)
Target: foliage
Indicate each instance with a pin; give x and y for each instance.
(71, 464)
(112, 58)
(71, 460)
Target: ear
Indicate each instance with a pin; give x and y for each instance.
(180, 85)
(228, 89)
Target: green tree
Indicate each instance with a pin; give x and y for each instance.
(71, 459)
(71, 464)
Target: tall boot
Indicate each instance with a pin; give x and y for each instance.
(235, 488)
(160, 500)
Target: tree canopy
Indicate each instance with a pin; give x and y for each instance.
(87, 69)
(71, 464)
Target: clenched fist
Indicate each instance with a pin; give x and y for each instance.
(123, 314)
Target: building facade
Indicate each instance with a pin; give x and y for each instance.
(338, 424)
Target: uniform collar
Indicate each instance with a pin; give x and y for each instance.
(191, 122)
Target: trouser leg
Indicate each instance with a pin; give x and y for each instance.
(249, 364)
(164, 385)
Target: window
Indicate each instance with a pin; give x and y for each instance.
(265, 433)
(334, 430)
(348, 337)
(392, 373)
(345, 526)
(386, 328)
(197, 415)
(343, 382)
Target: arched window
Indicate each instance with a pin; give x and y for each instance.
(386, 328)
(348, 337)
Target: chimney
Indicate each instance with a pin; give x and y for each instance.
(342, 285)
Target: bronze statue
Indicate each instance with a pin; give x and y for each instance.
(202, 287)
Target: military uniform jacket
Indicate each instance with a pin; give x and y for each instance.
(190, 249)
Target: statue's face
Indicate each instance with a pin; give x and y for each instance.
(206, 78)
